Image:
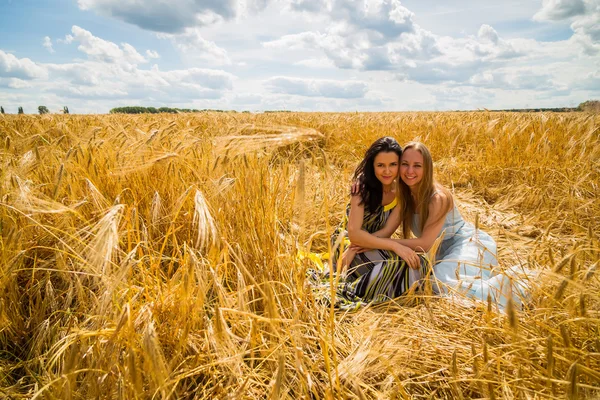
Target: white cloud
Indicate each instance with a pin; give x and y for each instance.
(357, 54)
(95, 79)
(590, 81)
(152, 54)
(317, 87)
(206, 78)
(520, 78)
(419, 55)
(103, 50)
(308, 5)
(191, 43)
(322, 62)
(67, 40)
(297, 41)
(172, 16)
(585, 20)
(85, 73)
(48, 44)
(111, 74)
(84, 92)
(388, 18)
(131, 54)
(247, 99)
(457, 98)
(14, 83)
(554, 10)
(22, 68)
(489, 34)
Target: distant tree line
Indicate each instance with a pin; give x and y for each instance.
(548, 109)
(154, 110)
(589, 106)
(41, 109)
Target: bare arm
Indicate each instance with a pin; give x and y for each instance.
(362, 238)
(433, 226)
(392, 223)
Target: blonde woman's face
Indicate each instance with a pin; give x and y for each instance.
(411, 167)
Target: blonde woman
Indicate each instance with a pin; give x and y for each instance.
(466, 257)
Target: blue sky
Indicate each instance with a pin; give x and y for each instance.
(306, 55)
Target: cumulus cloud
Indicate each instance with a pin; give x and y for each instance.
(585, 20)
(67, 40)
(322, 62)
(97, 79)
(586, 28)
(554, 10)
(47, 43)
(85, 73)
(21, 68)
(417, 55)
(111, 72)
(247, 99)
(172, 16)
(317, 87)
(14, 83)
(520, 78)
(297, 41)
(457, 98)
(381, 35)
(190, 42)
(488, 34)
(388, 18)
(84, 92)
(308, 5)
(104, 50)
(152, 54)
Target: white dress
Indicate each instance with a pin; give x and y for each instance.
(466, 263)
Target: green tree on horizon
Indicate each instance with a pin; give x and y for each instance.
(152, 110)
(65, 110)
(20, 111)
(590, 106)
(43, 110)
(1, 110)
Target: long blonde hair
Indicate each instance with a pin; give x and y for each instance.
(427, 187)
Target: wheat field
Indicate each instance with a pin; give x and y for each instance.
(155, 256)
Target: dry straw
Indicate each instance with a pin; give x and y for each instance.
(154, 256)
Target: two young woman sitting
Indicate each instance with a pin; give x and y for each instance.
(395, 186)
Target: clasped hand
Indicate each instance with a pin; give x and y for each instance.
(406, 253)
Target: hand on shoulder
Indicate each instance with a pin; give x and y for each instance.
(355, 188)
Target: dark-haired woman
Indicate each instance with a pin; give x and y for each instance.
(388, 268)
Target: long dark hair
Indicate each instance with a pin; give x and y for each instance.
(370, 188)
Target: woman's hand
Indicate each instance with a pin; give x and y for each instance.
(357, 249)
(407, 254)
(355, 189)
(346, 260)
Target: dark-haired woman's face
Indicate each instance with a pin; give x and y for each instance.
(386, 166)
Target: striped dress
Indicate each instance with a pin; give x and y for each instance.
(375, 275)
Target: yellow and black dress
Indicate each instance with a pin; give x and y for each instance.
(375, 275)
